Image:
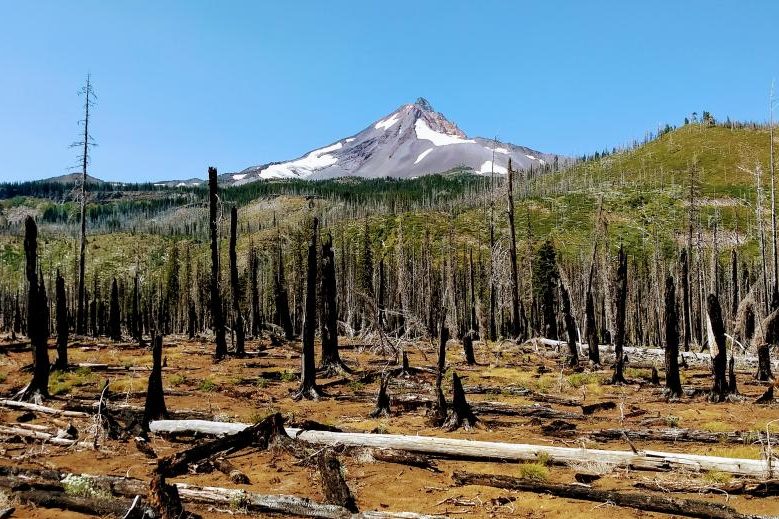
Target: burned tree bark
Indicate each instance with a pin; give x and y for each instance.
(308, 388)
(673, 383)
(438, 413)
(620, 304)
(763, 343)
(382, 399)
(716, 335)
(37, 318)
(216, 301)
(515, 320)
(62, 324)
(238, 325)
(155, 398)
(592, 329)
(136, 327)
(331, 362)
(686, 302)
(467, 340)
(334, 486)
(281, 298)
(570, 328)
(460, 413)
(114, 317)
(257, 318)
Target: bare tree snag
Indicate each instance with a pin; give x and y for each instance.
(382, 399)
(37, 319)
(467, 341)
(62, 324)
(460, 412)
(673, 383)
(620, 304)
(684, 267)
(593, 349)
(570, 328)
(717, 349)
(515, 320)
(331, 363)
(438, 413)
(216, 300)
(732, 387)
(81, 318)
(114, 316)
(308, 388)
(646, 502)
(768, 337)
(280, 295)
(235, 287)
(155, 398)
(334, 486)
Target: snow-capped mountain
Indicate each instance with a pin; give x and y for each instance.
(413, 140)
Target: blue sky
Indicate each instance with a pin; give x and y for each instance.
(185, 85)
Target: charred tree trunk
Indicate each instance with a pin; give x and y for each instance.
(515, 319)
(673, 383)
(191, 320)
(620, 304)
(155, 398)
(37, 318)
(438, 413)
(137, 326)
(470, 359)
(460, 413)
(382, 400)
(257, 319)
(686, 302)
(281, 297)
(308, 388)
(763, 343)
(331, 362)
(570, 328)
(238, 325)
(114, 316)
(62, 324)
(216, 300)
(592, 330)
(716, 333)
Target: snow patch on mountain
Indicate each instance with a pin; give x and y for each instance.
(388, 123)
(423, 131)
(488, 167)
(304, 166)
(423, 155)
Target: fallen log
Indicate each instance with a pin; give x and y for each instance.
(672, 434)
(645, 502)
(657, 354)
(12, 404)
(101, 507)
(46, 437)
(459, 448)
(252, 501)
(750, 488)
(521, 391)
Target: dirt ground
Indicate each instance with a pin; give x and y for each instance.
(247, 389)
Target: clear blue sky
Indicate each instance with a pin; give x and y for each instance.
(184, 85)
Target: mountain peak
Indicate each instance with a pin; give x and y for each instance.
(424, 105)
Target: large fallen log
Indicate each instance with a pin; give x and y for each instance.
(750, 488)
(13, 404)
(658, 354)
(646, 502)
(459, 448)
(252, 501)
(673, 434)
(44, 436)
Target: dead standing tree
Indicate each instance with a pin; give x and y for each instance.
(280, 295)
(308, 388)
(673, 384)
(216, 299)
(763, 341)
(331, 362)
(114, 316)
(84, 145)
(62, 324)
(570, 328)
(155, 398)
(717, 349)
(238, 325)
(37, 318)
(620, 305)
(515, 319)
